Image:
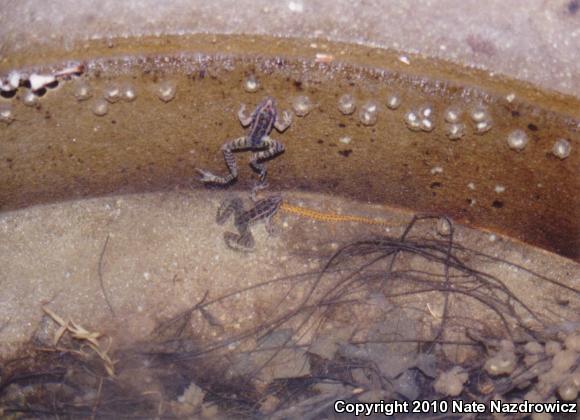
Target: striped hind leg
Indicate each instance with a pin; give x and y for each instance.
(274, 148)
(228, 149)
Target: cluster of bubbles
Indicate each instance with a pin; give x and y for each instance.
(481, 118)
(421, 119)
(368, 114)
(455, 129)
(112, 94)
(518, 139)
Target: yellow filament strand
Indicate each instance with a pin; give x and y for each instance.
(332, 217)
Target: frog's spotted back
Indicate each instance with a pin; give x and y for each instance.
(264, 209)
(263, 120)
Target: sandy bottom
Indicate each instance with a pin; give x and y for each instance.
(152, 256)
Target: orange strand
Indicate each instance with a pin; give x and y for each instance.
(332, 217)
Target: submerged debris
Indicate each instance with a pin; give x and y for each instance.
(357, 332)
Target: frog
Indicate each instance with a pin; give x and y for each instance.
(263, 209)
(257, 140)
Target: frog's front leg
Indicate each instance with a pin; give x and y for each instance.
(245, 120)
(283, 125)
(238, 144)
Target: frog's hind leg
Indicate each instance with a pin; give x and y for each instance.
(243, 243)
(273, 148)
(227, 207)
(240, 143)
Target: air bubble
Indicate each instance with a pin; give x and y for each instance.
(29, 98)
(251, 84)
(346, 104)
(412, 120)
(82, 91)
(483, 127)
(426, 111)
(479, 114)
(561, 148)
(100, 107)
(393, 101)
(499, 189)
(427, 125)
(166, 91)
(128, 93)
(302, 105)
(452, 114)
(369, 113)
(517, 139)
(6, 114)
(345, 140)
(455, 131)
(112, 93)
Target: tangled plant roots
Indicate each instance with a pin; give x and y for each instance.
(384, 318)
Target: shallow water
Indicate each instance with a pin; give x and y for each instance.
(101, 224)
(165, 252)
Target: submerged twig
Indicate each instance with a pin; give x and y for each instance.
(100, 272)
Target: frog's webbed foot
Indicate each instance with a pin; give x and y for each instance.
(228, 149)
(209, 178)
(245, 119)
(285, 123)
(242, 243)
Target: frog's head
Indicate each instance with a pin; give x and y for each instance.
(269, 104)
